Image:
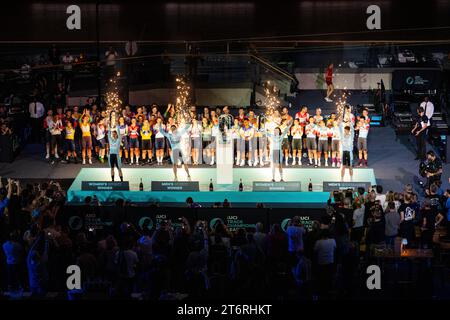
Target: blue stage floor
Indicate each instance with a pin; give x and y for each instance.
(248, 198)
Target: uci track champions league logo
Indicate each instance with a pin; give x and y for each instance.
(214, 222)
(146, 222)
(75, 223)
(416, 80)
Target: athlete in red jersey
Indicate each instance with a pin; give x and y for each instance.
(133, 133)
(329, 82)
(303, 118)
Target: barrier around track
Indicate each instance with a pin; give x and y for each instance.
(104, 219)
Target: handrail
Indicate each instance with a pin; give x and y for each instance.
(274, 68)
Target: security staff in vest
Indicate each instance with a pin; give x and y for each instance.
(420, 131)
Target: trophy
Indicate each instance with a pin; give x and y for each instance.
(113, 120)
(225, 124)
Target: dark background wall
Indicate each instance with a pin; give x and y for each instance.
(207, 20)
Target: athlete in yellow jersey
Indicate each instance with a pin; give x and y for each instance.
(146, 137)
(86, 138)
(70, 141)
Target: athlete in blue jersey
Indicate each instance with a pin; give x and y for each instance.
(174, 138)
(276, 156)
(115, 140)
(347, 136)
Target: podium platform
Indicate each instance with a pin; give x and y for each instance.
(247, 198)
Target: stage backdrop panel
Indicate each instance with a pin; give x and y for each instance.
(154, 216)
(283, 216)
(94, 219)
(416, 80)
(83, 218)
(234, 218)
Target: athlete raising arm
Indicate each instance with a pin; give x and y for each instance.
(174, 138)
(276, 155)
(347, 135)
(115, 139)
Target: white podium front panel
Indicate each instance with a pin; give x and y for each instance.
(224, 150)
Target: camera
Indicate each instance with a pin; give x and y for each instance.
(423, 169)
(200, 226)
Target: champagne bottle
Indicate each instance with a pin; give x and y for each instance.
(141, 186)
(310, 185)
(211, 187)
(241, 186)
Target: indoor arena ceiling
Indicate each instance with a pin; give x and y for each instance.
(301, 21)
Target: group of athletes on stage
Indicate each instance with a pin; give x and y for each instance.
(146, 136)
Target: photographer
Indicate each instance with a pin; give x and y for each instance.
(431, 168)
